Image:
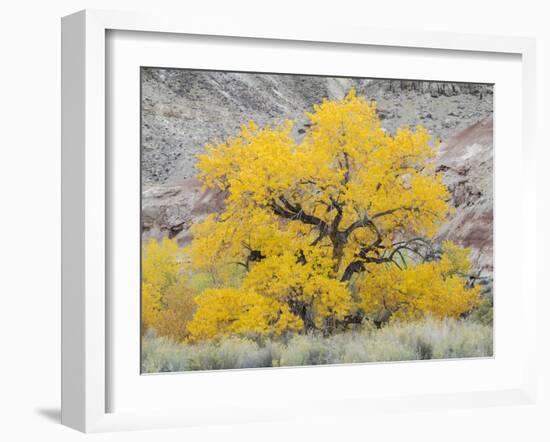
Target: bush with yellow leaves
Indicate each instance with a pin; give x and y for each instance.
(167, 302)
(228, 311)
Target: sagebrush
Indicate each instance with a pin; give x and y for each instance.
(431, 339)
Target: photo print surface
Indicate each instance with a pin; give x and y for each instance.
(295, 220)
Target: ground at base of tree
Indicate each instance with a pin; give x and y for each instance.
(428, 339)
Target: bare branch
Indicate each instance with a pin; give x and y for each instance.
(390, 211)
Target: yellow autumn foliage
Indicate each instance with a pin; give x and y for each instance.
(177, 310)
(336, 227)
(229, 311)
(167, 304)
(425, 289)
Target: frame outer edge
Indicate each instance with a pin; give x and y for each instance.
(83, 329)
(530, 284)
(83, 236)
(73, 362)
(95, 223)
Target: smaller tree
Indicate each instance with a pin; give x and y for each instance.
(177, 310)
(167, 302)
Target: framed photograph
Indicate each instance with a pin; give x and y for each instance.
(252, 214)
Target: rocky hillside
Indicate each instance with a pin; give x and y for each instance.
(466, 161)
(182, 110)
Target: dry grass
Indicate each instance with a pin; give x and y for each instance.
(396, 342)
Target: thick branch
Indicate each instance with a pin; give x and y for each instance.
(355, 225)
(295, 212)
(339, 215)
(358, 266)
(353, 267)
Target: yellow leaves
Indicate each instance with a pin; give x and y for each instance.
(227, 311)
(288, 279)
(331, 298)
(214, 241)
(159, 271)
(161, 263)
(345, 158)
(177, 310)
(150, 304)
(167, 304)
(250, 164)
(421, 290)
(458, 257)
(344, 124)
(296, 216)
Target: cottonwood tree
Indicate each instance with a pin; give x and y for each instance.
(333, 230)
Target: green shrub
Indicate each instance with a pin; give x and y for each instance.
(483, 313)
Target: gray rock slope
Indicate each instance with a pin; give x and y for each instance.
(182, 110)
(466, 161)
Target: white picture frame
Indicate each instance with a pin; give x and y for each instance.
(86, 356)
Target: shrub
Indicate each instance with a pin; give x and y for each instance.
(159, 354)
(178, 306)
(484, 311)
(167, 302)
(159, 271)
(229, 353)
(430, 339)
(433, 339)
(309, 350)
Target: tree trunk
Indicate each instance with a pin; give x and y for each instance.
(338, 244)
